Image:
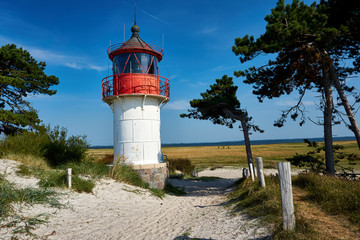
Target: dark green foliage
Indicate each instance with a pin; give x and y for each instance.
(220, 105)
(316, 161)
(306, 39)
(62, 149)
(335, 195)
(308, 52)
(20, 76)
(309, 160)
(183, 165)
(52, 144)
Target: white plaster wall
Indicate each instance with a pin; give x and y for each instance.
(137, 129)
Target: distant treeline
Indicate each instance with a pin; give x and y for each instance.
(232, 143)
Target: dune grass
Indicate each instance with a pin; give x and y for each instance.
(9, 195)
(265, 205)
(335, 195)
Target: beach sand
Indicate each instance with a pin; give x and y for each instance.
(119, 211)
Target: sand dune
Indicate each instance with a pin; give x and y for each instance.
(120, 211)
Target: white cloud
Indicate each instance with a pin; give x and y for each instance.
(208, 30)
(172, 76)
(221, 68)
(51, 57)
(64, 60)
(178, 105)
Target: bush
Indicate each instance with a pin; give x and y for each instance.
(60, 149)
(51, 144)
(181, 164)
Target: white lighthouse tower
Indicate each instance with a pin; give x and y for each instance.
(136, 93)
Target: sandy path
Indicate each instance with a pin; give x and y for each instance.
(120, 211)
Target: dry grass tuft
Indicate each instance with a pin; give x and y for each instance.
(29, 160)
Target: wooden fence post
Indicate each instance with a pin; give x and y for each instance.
(245, 173)
(68, 177)
(251, 168)
(287, 203)
(260, 171)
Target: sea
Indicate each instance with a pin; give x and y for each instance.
(233, 143)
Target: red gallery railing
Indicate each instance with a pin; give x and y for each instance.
(135, 83)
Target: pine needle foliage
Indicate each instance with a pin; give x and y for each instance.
(20, 76)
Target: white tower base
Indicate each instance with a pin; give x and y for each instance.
(137, 128)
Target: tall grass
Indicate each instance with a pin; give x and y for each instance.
(265, 205)
(25, 143)
(335, 195)
(124, 172)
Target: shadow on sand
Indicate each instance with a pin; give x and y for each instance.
(200, 188)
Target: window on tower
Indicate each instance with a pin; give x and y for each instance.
(135, 63)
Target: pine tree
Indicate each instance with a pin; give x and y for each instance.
(220, 105)
(307, 51)
(20, 76)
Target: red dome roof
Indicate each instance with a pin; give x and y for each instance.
(135, 44)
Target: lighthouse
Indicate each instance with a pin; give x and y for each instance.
(136, 93)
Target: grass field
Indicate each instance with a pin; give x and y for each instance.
(212, 156)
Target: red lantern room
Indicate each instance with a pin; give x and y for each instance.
(135, 69)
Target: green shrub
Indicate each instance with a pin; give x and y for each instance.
(82, 185)
(181, 164)
(335, 195)
(61, 149)
(51, 144)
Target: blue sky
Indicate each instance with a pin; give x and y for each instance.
(72, 37)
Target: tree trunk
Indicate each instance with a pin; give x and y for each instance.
(329, 105)
(354, 127)
(243, 121)
(247, 141)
